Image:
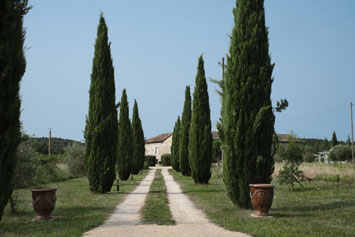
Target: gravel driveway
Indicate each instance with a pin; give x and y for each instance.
(190, 221)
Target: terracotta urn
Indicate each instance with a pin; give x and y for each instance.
(43, 201)
(261, 196)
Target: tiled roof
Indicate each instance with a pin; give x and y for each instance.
(159, 139)
(284, 138)
(215, 135)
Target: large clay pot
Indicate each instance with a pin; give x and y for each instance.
(43, 201)
(261, 196)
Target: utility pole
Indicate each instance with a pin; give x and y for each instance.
(49, 141)
(352, 135)
(222, 92)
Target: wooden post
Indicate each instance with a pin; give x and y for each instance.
(49, 142)
(352, 136)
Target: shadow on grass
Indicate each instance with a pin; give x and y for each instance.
(303, 210)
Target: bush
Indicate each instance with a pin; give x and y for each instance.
(340, 153)
(308, 157)
(151, 160)
(75, 159)
(216, 151)
(166, 160)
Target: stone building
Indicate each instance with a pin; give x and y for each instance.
(159, 145)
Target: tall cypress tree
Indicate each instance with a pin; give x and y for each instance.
(200, 137)
(184, 139)
(138, 141)
(101, 123)
(334, 139)
(175, 145)
(12, 68)
(247, 119)
(125, 142)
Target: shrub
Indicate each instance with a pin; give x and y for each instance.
(216, 151)
(166, 160)
(308, 157)
(75, 159)
(340, 153)
(151, 160)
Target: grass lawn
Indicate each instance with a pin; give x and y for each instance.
(320, 209)
(156, 209)
(77, 209)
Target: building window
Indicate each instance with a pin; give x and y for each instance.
(156, 151)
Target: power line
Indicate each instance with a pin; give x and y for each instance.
(314, 115)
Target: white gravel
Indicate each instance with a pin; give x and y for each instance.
(190, 221)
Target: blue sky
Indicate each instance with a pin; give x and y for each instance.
(155, 46)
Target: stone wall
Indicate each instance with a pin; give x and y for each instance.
(158, 149)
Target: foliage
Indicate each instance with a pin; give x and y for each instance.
(75, 159)
(340, 153)
(200, 137)
(138, 141)
(334, 139)
(166, 160)
(175, 145)
(247, 113)
(101, 123)
(216, 151)
(151, 160)
(184, 136)
(58, 145)
(12, 68)
(125, 143)
(292, 155)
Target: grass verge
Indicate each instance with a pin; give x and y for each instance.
(319, 209)
(156, 209)
(77, 209)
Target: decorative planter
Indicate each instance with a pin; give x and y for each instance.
(261, 196)
(43, 201)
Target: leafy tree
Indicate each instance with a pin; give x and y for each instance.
(247, 113)
(175, 145)
(334, 140)
(101, 122)
(184, 136)
(138, 141)
(216, 151)
(200, 137)
(290, 174)
(75, 159)
(125, 143)
(12, 68)
(340, 153)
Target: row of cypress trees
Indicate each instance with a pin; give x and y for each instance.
(109, 142)
(12, 68)
(191, 149)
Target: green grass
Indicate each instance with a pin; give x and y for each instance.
(156, 209)
(77, 210)
(319, 209)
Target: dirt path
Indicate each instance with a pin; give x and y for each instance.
(190, 221)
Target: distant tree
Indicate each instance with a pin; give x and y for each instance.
(175, 146)
(325, 145)
(348, 140)
(125, 143)
(184, 137)
(247, 113)
(340, 153)
(334, 140)
(138, 141)
(216, 150)
(101, 122)
(200, 137)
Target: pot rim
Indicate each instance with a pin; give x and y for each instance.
(43, 189)
(262, 185)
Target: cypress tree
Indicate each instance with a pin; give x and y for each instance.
(334, 139)
(200, 137)
(125, 142)
(101, 122)
(247, 117)
(184, 139)
(12, 68)
(138, 141)
(175, 163)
